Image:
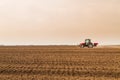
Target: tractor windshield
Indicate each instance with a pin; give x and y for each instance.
(87, 41)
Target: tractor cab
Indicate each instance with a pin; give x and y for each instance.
(87, 41)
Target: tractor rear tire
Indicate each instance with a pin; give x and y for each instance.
(90, 46)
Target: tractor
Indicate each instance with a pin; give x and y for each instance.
(88, 44)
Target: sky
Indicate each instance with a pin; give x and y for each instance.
(59, 22)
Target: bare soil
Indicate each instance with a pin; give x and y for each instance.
(59, 63)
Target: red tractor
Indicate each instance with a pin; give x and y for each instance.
(88, 44)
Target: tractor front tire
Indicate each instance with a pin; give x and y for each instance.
(82, 46)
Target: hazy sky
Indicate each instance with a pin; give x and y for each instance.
(59, 21)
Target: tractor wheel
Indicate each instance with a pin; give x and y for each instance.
(90, 46)
(82, 46)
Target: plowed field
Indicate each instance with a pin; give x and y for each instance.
(59, 63)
